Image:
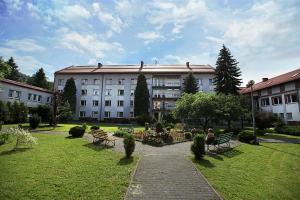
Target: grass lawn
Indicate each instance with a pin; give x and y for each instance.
(63, 168)
(267, 171)
(279, 136)
(66, 127)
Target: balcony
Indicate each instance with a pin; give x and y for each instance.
(166, 96)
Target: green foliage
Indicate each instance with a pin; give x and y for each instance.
(166, 137)
(84, 125)
(190, 84)
(14, 73)
(23, 137)
(246, 137)
(13, 112)
(227, 76)
(188, 135)
(64, 112)
(264, 120)
(154, 140)
(95, 128)
(77, 131)
(4, 68)
(34, 121)
(39, 79)
(4, 137)
(159, 128)
(129, 145)
(44, 111)
(260, 132)
(69, 94)
(288, 130)
(120, 133)
(141, 120)
(141, 97)
(183, 106)
(146, 126)
(4, 115)
(198, 146)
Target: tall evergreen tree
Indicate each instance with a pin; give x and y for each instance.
(4, 68)
(14, 71)
(141, 97)
(69, 94)
(39, 79)
(190, 84)
(227, 73)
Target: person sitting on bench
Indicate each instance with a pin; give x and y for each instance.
(210, 137)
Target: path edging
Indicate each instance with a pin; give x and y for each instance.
(132, 176)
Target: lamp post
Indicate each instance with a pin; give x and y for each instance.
(250, 84)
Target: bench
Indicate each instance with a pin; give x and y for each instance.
(100, 135)
(221, 139)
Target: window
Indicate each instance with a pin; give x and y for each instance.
(289, 116)
(107, 92)
(107, 102)
(96, 82)
(108, 81)
(120, 92)
(29, 96)
(84, 81)
(210, 81)
(83, 102)
(120, 103)
(107, 114)
(121, 81)
(95, 114)
(17, 94)
(291, 98)
(265, 102)
(131, 92)
(131, 114)
(119, 114)
(84, 92)
(133, 81)
(276, 100)
(48, 99)
(10, 93)
(200, 81)
(131, 103)
(95, 102)
(60, 91)
(82, 113)
(95, 92)
(34, 97)
(39, 98)
(60, 81)
(281, 115)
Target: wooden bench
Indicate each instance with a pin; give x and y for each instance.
(221, 139)
(100, 135)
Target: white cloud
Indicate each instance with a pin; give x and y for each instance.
(25, 45)
(72, 13)
(13, 5)
(150, 36)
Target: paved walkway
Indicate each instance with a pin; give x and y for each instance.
(280, 140)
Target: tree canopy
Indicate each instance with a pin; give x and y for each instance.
(141, 97)
(190, 84)
(39, 79)
(227, 76)
(14, 73)
(4, 68)
(69, 94)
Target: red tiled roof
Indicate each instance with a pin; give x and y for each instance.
(25, 85)
(136, 69)
(283, 78)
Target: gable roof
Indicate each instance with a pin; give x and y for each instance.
(277, 80)
(108, 69)
(24, 85)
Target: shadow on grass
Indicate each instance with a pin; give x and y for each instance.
(214, 155)
(125, 161)
(14, 151)
(292, 154)
(204, 163)
(230, 152)
(97, 147)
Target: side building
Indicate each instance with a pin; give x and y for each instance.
(279, 95)
(31, 96)
(107, 91)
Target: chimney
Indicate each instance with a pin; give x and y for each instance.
(99, 65)
(264, 79)
(188, 65)
(142, 65)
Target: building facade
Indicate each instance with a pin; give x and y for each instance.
(279, 95)
(30, 95)
(107, 91)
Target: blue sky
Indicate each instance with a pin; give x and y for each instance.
(264, 36)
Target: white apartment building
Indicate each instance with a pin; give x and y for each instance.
(279, 95)
(31, 96)
(107, 91)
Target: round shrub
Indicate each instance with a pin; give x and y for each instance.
(198, 146)
(34, 121)
(77, 131)
(120, 133)
(188, 135)
(94, 128)
(129, 145)
(246, 137)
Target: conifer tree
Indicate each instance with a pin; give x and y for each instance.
(190, 84)
(69, 94)
(141, 97)
(227, 73)
(39, 79)
(14, 71)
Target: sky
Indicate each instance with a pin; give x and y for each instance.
(264, 36)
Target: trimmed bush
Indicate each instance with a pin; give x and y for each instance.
(84, 126)
(260, 132)
(188, 135)
(34, 121)
(129, 145)
(95, 128)
(198, 146)
(77, 131)
(265, 120)
(246, 137)
(120, 133)
(23, 137)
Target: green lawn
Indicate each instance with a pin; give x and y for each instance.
(267, 171)
(66, 127)
(63, 168)
(279, 136)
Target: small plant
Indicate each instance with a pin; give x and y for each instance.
(188, 135)
(198, 146)
(167, 138)
(4, 137)
(77, 131)
(179, 126)
(246, 137)
(84, 126)
(1, 123)
(120, 133)
(129, 145)
(159, 128)
(95, 128)
(23, 137)
(34, 121)
(146, 126)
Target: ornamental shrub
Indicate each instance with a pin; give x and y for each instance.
(23, 137)
(84, 126)
(95, 128)
(188, 135)
(4, 137)
(198, 146)
(34, 121)
(167, 138)
(77, 131)
(129, 145)
(159, 128)
(246, 137)
(120, 133)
